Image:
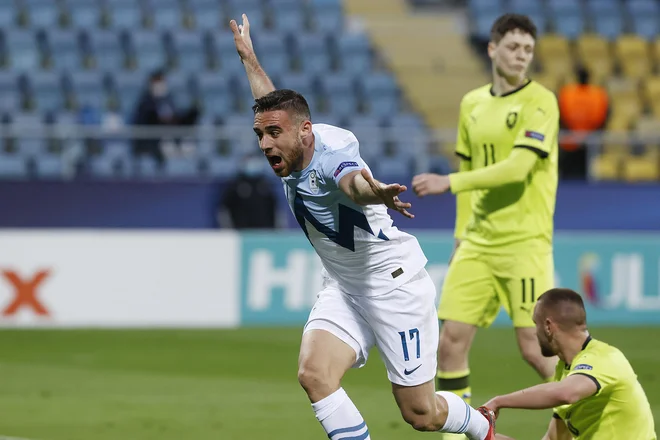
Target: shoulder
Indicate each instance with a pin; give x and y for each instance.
(471, 98)
(539, 94)
(333, 138)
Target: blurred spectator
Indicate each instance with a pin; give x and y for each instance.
(583, 108)
(249, 201)
(156, 107)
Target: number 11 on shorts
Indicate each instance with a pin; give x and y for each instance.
(414, 335)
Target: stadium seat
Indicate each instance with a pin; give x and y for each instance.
(482, 24)
(594, 53)
(125, 14)
(164, 14)
(476, 7)
(338, 90)
(46, 91)
(633, 56)
(288, 17)
(12, 166)
(148, 50)
(8, 15)
(22, 50)
(206, 15)
(624, 99)
(214, 94)
(127, 88)
(113, 162)
(354, 53)
(607, 166)
(276, 60)
(533, 9)
(301, 83)
(646, 26)
(554, 54)
(181, 90)
(609, 26)
(381, 93)
(10, 96)
(88, 89)
(64, 49)
(83, 14)
(104, 50)
(326, 16)
(181, 167)
(313, 53)
(188, 50)
(42, 14)
(31, 125)
(223, 53)
(651, 93)
(255, 14)
(568, 17)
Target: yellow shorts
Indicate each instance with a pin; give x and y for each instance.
(477, 284)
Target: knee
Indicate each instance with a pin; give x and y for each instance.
(314, 380)
(452, 345)
(421, 417)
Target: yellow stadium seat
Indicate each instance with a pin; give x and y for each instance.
(606, 166)
(624, 97)
(651, 93)
(594, 53)
(548, 80)
(656, 52)
(554, 54)
(644, 167)
(633, 56)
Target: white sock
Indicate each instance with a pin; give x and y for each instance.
(340, 418)
(463, 419)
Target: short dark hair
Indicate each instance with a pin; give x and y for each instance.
(565, 305)
(283, 99)
(510, 22)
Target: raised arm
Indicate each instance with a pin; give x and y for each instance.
(260, 84)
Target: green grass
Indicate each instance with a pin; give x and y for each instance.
(231, 385)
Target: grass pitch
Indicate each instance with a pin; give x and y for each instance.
(232, 384)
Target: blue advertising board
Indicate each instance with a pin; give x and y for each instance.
(618, 275)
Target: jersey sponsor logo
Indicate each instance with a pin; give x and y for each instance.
(511, 119)
(583, 367)
(409, 372)
(344, 165)
(534, 135)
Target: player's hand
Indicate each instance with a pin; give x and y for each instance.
(389, 194)
(493, 406)
(428, 184)
(242, 38)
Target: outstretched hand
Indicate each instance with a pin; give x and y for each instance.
(242, 38)
(388, 193)
(430, 184)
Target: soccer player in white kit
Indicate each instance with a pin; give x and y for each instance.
(376, 290)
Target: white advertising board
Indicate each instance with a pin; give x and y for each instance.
(97, 278)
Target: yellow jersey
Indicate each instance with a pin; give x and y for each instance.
(619, 409)
(511, 217)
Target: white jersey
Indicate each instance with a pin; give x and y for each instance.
(360, 248)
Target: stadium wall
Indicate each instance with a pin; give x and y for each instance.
(137, 278)
(191, 205)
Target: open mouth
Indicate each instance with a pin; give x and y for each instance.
(274, 161)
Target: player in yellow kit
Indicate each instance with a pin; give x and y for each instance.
(506, 186)
(595, 393)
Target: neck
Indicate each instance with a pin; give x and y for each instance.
(308, 152)
(573, 344)
(503, 84)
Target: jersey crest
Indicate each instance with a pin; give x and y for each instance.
(314, 181)
(511, 119)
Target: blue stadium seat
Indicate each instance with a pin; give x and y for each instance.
(404, 121)
(381, 91)
(113, 161)
(398, 167)
(533, 9)
(179, 85)
(299, 82)
(42, 13)
(128, 86)
(637, 8)
(221, 167)
(64, 49)
(207, 14)
(609, 26)
(646, 26)
(88, 89)
(327, 15)
(166, 14)
(85, 14)
(603, 7)
(29, 123)
(7, 14)
(339, 90)
(181, 167)
(105, 48)
(146, 167)
(214, 93)
(125, 14)
(255, 15)
(22, 48)
(188, 48)
(46, 89)
(12, 166)
(10, 96)
(224, 52)
(354, 53)
(148, 49)
(313, 52)
(485, 6)
(273, 46)
(50, 166)
(287, 18)
(570, 26)
(482, 24)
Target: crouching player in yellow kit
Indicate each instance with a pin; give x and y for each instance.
(596, 395)
(506, 187)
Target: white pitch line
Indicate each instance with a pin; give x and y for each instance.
(2, 437)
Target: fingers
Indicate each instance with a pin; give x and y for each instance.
(234, 28)
(403, 207)
(246, 24)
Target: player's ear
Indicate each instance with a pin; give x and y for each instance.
(306, 128)
(491, 49)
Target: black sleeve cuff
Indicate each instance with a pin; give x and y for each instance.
(592, 378)
(463, 156)
(542, 154)
(556, 416)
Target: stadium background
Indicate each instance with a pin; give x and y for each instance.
(130, 313)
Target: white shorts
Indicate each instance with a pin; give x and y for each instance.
(402, 324)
